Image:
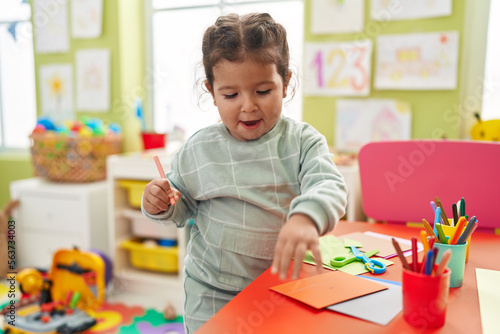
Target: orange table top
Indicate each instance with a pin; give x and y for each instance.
(257, 309)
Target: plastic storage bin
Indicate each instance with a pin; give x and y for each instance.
(157, 258)
(134, 190)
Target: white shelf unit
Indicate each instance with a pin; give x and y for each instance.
(153, 287)
(53, 216)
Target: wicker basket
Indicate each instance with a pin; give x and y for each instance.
(62, 158)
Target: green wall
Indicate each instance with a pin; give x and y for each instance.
(123, 35)
(435, 114)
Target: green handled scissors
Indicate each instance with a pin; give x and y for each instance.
(373, 266)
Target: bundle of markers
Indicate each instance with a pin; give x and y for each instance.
(460, 234)
(427, 266)
(462, 229)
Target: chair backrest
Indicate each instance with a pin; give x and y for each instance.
(399, 179)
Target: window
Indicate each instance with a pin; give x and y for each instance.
(491, 91)
(17, 75)
(177, 28)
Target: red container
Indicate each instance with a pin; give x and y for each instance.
(154, 140)
(425, 298)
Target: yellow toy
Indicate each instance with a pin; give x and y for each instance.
(69, 294)
(486, 130)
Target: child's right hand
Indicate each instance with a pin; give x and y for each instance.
(158, 196)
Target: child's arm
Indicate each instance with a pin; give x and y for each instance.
(297, 235)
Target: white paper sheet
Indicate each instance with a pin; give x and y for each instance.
(359, 121)
(488, 289)
(392, 10)
(56, 90)
(50, 23)
(86, 18)
(424, 61)
(338, 69)
(93, 79)
(337, 16)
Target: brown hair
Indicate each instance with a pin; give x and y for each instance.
(253, 36)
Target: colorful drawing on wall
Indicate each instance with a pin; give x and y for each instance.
(338, 69)
(93, 79)
(86, 18)
(56, 90)
(424, 61)
(392, 10)
(361, 121)
(50, 23)
(337, 16)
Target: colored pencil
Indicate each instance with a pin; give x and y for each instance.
(400, 254)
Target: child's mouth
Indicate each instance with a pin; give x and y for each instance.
(250, 125)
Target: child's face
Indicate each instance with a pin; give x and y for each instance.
(249, 97)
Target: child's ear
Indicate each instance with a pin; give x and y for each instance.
(285, 84)
(209, 88)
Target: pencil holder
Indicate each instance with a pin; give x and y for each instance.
(457, 261)
(425, 298)
(450, 230)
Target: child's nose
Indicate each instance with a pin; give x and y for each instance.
(249, 104)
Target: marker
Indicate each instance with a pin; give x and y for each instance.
(162, 174)
(432, 240)
(468, 231)
(437, 216)
(435, 251)
(400, 254)
(445, 259)
(424, 260)
(458, 231)
(414, 254)
(455, 213)
(462, 207)
(425, 242)
(428, 228)
(441, 236)
(443, 214)
(434, 207)
(430, 262)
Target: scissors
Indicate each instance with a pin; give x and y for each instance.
(373, 266)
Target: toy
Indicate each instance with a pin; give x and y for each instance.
(69, 294)
(486, 130)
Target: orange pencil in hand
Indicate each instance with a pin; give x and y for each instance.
(162, 174)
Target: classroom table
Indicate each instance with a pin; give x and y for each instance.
(259, 310)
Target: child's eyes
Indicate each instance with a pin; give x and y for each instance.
(259, 92)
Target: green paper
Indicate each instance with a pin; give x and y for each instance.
(330, 247)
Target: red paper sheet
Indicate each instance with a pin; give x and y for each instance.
(327, 289)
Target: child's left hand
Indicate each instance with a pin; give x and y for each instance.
(297, 236)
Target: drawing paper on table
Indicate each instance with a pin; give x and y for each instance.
(380, 307)
(489, 299)
(370, 242)
(323, 290)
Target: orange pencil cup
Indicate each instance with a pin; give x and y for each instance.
(425, 298)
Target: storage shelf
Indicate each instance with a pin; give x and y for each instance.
(139, 166)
